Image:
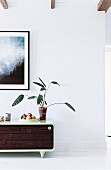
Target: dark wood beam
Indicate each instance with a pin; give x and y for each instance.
(52, 4)
(104, 5)
(4, 4)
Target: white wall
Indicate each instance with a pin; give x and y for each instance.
(108, 90)
(108, 27)
(67, 45)
(108, 72)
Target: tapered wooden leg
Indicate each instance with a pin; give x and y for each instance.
(42, 154)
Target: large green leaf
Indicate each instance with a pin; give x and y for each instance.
(42, 89)
(71, 107)
(42, 81)
(39, 99)
(39, 84)
(32, 97)
(54, 82)
(18, 100)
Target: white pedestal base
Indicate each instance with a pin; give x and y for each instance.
(42, 153)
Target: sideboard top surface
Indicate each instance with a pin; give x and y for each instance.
(26, 123)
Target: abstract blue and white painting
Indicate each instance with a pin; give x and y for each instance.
(13, 55)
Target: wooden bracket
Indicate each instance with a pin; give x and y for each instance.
(4, 4)
(104, 5)
(52, 4)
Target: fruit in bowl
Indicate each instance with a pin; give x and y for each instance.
(28, 116)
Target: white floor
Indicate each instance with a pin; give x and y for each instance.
(90, 160)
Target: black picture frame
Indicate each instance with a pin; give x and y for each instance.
(14, 60)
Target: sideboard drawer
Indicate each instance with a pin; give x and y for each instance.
(26, 136)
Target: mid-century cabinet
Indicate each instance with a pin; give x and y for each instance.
(16, 136)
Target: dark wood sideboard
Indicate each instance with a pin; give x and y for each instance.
(20, 137)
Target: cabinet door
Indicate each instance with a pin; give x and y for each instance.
(26, 136)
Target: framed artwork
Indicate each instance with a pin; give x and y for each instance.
(14, 60)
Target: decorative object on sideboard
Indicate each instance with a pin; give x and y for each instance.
(7, 116)
(29, 117)
(41, 99)
(1, 118)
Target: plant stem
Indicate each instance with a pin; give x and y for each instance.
(45, 94)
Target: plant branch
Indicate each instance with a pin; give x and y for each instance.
(47, 89)
(45, 94)
(54, 104)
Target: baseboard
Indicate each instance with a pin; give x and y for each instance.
(72, 146)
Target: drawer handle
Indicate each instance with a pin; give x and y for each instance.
(49, 127)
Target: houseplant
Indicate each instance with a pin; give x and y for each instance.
(41, 99)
